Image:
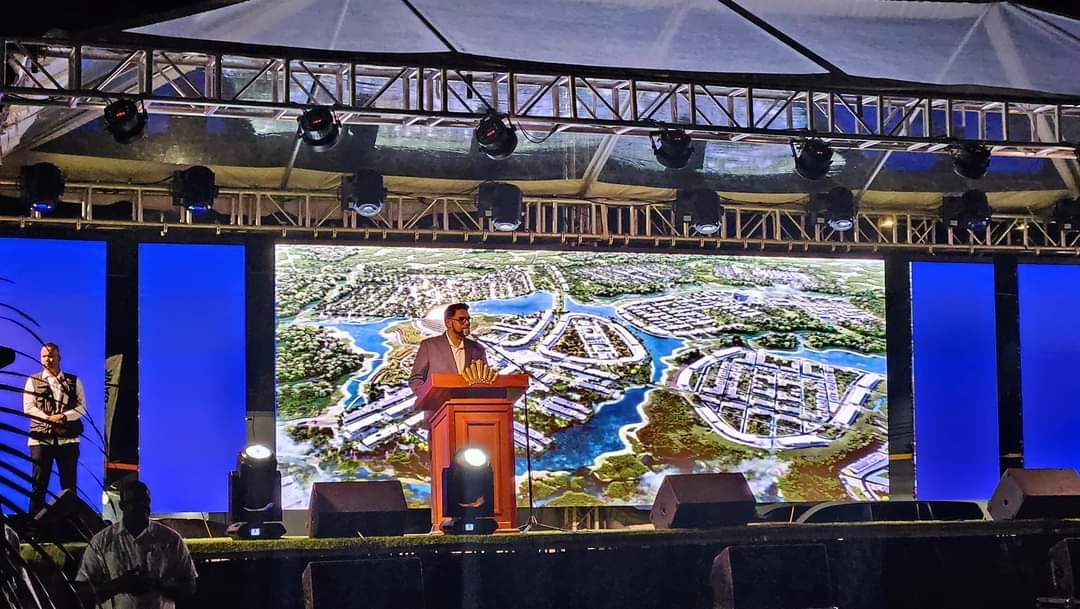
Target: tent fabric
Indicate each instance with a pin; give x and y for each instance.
(993, 44)
(988, 45)
(685, 35)
(355, 26)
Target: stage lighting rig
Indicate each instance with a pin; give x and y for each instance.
(255, 495)
(41, 186)
(969, 211)
(970, 159)
(672, 147)
(495, 136)
(194, 189)
(468, 494)
(363, 192)
(813, 159)
(319, 128)
(701, 208)
(125, 120)
(502, 203)
(837, 208)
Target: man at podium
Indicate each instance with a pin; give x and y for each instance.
(447, 353)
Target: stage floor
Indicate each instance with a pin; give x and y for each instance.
(770, 533)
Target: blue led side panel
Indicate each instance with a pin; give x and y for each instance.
(54, 289)
(955, 368)
(192, 373)
(1049, 360)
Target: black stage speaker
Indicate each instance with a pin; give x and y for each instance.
(1024, 494)
(772, 577)
(348, 509)
(389, 583)
(700, 501)
(68, 518)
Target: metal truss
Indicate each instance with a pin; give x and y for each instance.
(453, 220)
(245, 82)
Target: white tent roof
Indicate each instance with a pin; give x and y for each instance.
(937, 43)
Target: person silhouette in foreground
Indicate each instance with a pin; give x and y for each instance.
(136, 563)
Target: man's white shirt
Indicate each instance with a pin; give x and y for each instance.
(158, 551)
(459, 353)
(56, 385)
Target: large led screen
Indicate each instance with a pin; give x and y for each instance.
(53, 291)
(643, 365)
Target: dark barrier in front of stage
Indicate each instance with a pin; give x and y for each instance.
(386, 583)
(991, 568)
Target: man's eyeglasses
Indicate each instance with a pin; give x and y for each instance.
(461, 320)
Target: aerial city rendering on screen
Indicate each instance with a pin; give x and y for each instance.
(642, 365)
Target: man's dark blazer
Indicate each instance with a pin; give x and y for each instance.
(435, 357)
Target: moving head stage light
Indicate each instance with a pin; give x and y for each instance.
(125, 121)
(194, 189)
(970, 159)
(837, 208)
(41, 186)
(672, 147)
(502, 203)
(255, 495)
(1066, 213)
(701, 208)
(495, 136)
(469, 494)
(969, 211)
(813, 159)
(319, 128)
(363, 192)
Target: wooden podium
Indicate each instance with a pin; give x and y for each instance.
(481, 416)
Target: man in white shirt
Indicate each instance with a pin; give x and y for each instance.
(56, 403)
(447, 353)
(136, 563)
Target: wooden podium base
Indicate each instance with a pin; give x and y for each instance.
(484, 423)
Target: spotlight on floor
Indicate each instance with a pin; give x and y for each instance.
(255, 495)
(970, 159)
(837, 208)
(501, 203)
(125, 121)
(813, 159)
(41, 186)
(194, 189)
(672, 147)
(319, 128)
(363, 192)
(1066, 214)
(468, 494)
(701, 208)
(495, 136)
(969, 211)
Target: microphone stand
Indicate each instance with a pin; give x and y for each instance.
(533, 523)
